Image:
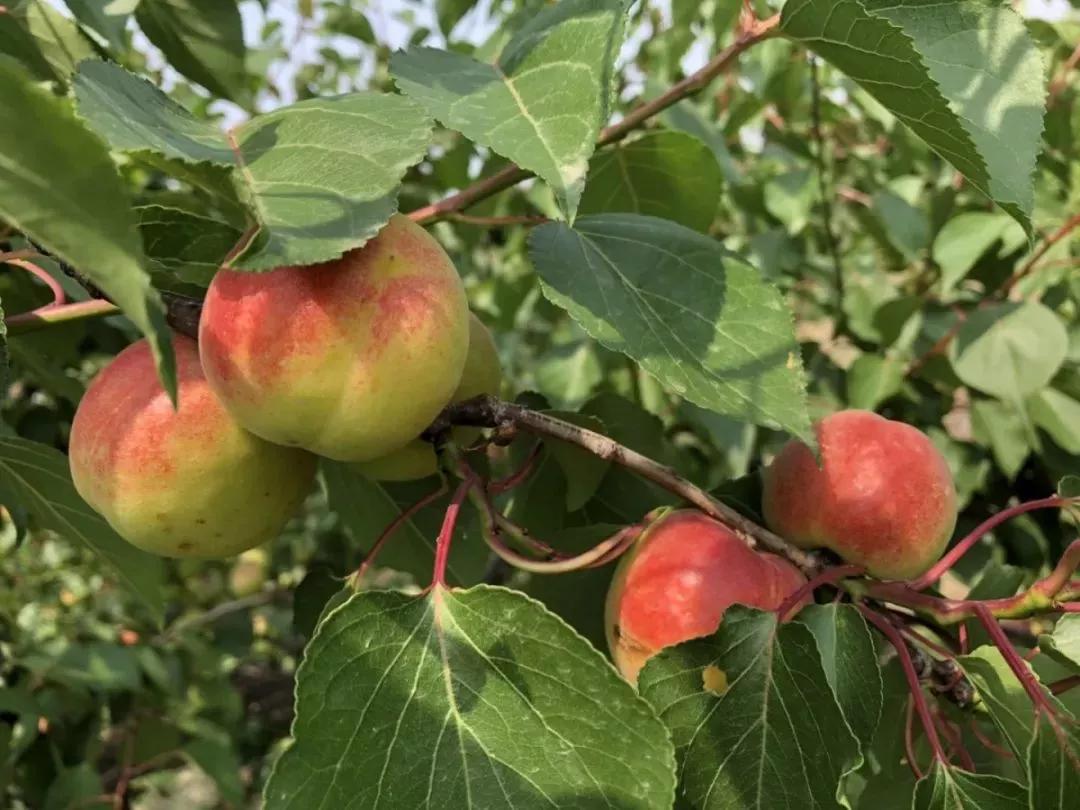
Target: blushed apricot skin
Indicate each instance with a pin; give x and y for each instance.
(350, 359)
(684, 571)
(482, 375)
(181, 483)
(883, 498)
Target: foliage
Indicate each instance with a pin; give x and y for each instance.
(693, 229)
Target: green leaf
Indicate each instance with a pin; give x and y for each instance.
(37, 477)
(948, 788)
(872, 379)
(202, 39)
(315, 591)
(949, 73)
(669, 175)
(790, 197)
(1063, 645)
(319, 177)
(999, 425)
(1053, 767)
(64, 192)
(105, 17)
(218, 760)
(744, 704)
(1009, 350)
(964, 240)
(188, 246)
(133, 115)
(584, 471)
(542, 103)
(697, 317)
(849, 659)
(465, 699)
(1002, 696)
(48, 43)
(1059, 415)
(79, 787)
(906, 226)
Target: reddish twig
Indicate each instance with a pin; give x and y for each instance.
(392, 528)
(1027, 267)
(58, 294)
(912, 677)
(1021, 670)
(1057, 87)
(446, 533)
(12, 255)
(986, 742)
(953, 555)
(909, 738)
(519, 475)
(956, 741)
(1064, 685)
(919, 638)
(829, 576)
(496, 222)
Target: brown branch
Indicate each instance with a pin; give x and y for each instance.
(1057, 87)
(1025, 269)
(490, 412)
(752, 31)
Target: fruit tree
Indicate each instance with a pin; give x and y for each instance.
(540, 404)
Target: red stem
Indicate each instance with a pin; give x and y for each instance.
(953, 555)
(919, 638)
(987, 743)
(1064, 685)
(59, 297)
(392, 528)
(1071, 223)
(446, 533)
(827, 577)
(909, 737)
(956, 742)
(1022, 672)
(912, 677)
(519, 475)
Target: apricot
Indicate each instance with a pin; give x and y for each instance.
(249, 573)
(188, 482)
(683, 572)
(883, 497)
(482, 375)
(351, 358)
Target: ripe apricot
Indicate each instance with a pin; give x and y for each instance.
(188, 482)
(351, 358)
(883, 497)
(683, 572)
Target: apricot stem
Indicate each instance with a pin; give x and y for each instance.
(953, 555)
(446, 534)
(917, 696)
(392, 528)
(829, 576)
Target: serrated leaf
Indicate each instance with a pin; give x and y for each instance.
(948, 788)
(188, 246)
(849, 659)
(65, 193)
(107, 18)
(742, 706)
(1063, 645)
(465, 699)
(367, 507)
(319, 177)
(947, 73)
(1009, 350)
(1053, 763)
(37, 478)
(669, 175)
(695, 316)
(45, 40)
(202, 39)
(1003, 696)
(133, 115)
(541, 104)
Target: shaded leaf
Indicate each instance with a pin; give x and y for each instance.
(948, 788)
(1063, 645)
(37, 478)
(1059, 415)
(64, 192)
(189, 246)
(669, 175)
(105, 17)
(694, 315)
(1053, 764)
(872, 379)
(476, 698)
(43, 39)
(744, 704)
(1002, 696)
(542, 103)
(964, 239)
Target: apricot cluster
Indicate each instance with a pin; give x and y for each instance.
(882, 497)
(350, 359)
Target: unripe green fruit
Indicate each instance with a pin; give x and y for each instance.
(883, 497)
(351, 358)
(188, 482)
(482, 375)
(682, 573)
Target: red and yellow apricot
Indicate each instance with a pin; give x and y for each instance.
(883, 497)
(188, 482)
(684, 571)
(350, 359)
(482, 375)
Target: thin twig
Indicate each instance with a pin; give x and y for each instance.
(392, 528)
(1025, 269)
(495, 222)
(41, 274)
(219, 611)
